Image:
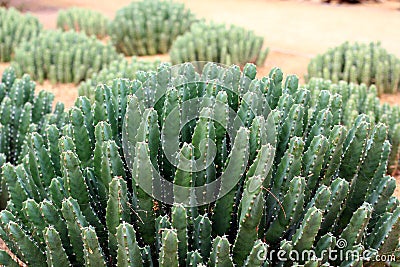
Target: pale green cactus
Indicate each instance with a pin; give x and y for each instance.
(83, 20)
(358, 63)
(116, 69)
(219, 43)
(15, 28)
(149, 28)
(65, 57)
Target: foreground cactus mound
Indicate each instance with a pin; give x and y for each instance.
(358, 63)
(84, 20)
(65, 57)
(327, 187)
(116, 69)
(15, 28)
(149, 27)
(219, 43)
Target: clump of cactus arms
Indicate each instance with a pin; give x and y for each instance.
(15, 28)
(65, 57)
(359, 99)
(84, 20)
(149, 27)
(123, 185)
(21, 113)
(358, 63)
(116, 69)
(219, 43)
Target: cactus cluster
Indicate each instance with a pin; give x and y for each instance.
(15, 28)
(149, 27)
(116, 69)
(219, 43)
(65, 57)
(73, 200)
(21, 113)
(358, 63)
(360, 99)
(84, 20)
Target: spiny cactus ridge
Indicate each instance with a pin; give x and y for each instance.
(83, 20)
(149, 27)
(358, 63)
(65, 57)
(116, 69)
(14, 29)
(219, 43)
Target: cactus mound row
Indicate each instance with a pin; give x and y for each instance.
(72, 200)
(149, 27)
(65, 57)
(358, 63)
(14, 29)
(219, 43)
(116, 69)
(83, 20)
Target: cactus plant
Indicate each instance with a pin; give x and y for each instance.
(350, 100)
(219, 43)
(358, 63)
(149, 27)
(64, 57)
(116, 69)
(22, 112)
(102, 214)
(84, 20)
(14, 29)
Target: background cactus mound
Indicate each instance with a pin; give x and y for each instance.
(86, 207)
(15, 28)
(149, 27)
(358, 63)
(85, 20)
(62, 56)
(219, 43)
(116, 69)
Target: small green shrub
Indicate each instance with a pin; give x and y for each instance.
(84, 20)
(14, 29)
(149, 27)
(62, 56)
(116, 69)
(219, 43)
(87, 208)
(358, 63)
